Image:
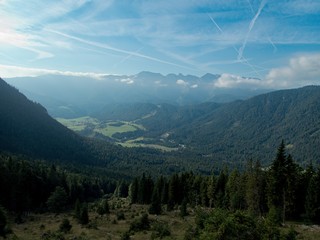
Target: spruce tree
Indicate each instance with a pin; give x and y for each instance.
(3, 221)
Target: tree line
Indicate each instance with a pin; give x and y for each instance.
(27, 185)
(282, 191)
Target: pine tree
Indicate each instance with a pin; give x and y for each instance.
(57, 200)
(133, 191)
(211, 190)
(103, 207)
(77, 209)
(84, 216)
(281, 185)
(3, 221)
(255, 189)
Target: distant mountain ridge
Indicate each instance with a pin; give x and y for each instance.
(69, 96)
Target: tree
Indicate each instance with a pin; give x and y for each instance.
(133, 191)
(281, 185)
(57, 200)
(255, 189)
(312, 202)
(211, 190)
(220, 198)
(84, 216)
(77, 209)
(3, 221)
(183, 208)
(103, 207)
(155, 206)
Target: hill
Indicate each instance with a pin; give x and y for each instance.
(27, 128)
(230, 132)
(252, 128)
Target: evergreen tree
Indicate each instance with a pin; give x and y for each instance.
(155, 206)
(281, 185)
(255, 189)
(84, 216)
(103, 207)
(133, 191)
(312, 202)
(77, 209)
(220, 198)
(57, 200)
(211, 190)
(235, 191)
(183, 208)
(3, 221)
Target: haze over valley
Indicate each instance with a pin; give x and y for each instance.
(159, 119)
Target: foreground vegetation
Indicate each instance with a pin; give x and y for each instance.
(254, 204)
(131, 221)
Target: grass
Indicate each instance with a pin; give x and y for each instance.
(102, 227)
(110, 227)
(78, 124)
(110, 128)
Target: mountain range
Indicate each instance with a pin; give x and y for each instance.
(70, 96)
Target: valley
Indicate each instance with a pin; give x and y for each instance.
(114, 131)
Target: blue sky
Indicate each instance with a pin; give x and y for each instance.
(273, 40)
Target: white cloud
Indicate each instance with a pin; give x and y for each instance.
(7, 71)
(127, 80)
(194, 86)
(182, 83)
(227, 80)
(302, 70)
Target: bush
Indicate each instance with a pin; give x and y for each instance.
(65, 226)
(160, 230)
(120, 216)
(140, 224)
(125, 236)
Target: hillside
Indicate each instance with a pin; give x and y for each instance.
(229, 132)
(27, 128)
(254, 127)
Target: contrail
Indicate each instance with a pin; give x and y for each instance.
(273, 45)
(214, 22)
(126, 58)
(253, 21)
(242, 59)
(107, 47)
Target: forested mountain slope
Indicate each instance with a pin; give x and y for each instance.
(26, 127)
(254, 127)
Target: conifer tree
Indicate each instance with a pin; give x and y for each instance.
(3, 221)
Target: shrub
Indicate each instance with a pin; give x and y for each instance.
(140, 224)
(65, 226)
(160, 230)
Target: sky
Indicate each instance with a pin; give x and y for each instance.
(261, 43)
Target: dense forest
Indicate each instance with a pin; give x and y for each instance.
(253, 199)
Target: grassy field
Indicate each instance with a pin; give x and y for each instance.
(108, 129)
(104, 227)
(40, 226)
(78, 124)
